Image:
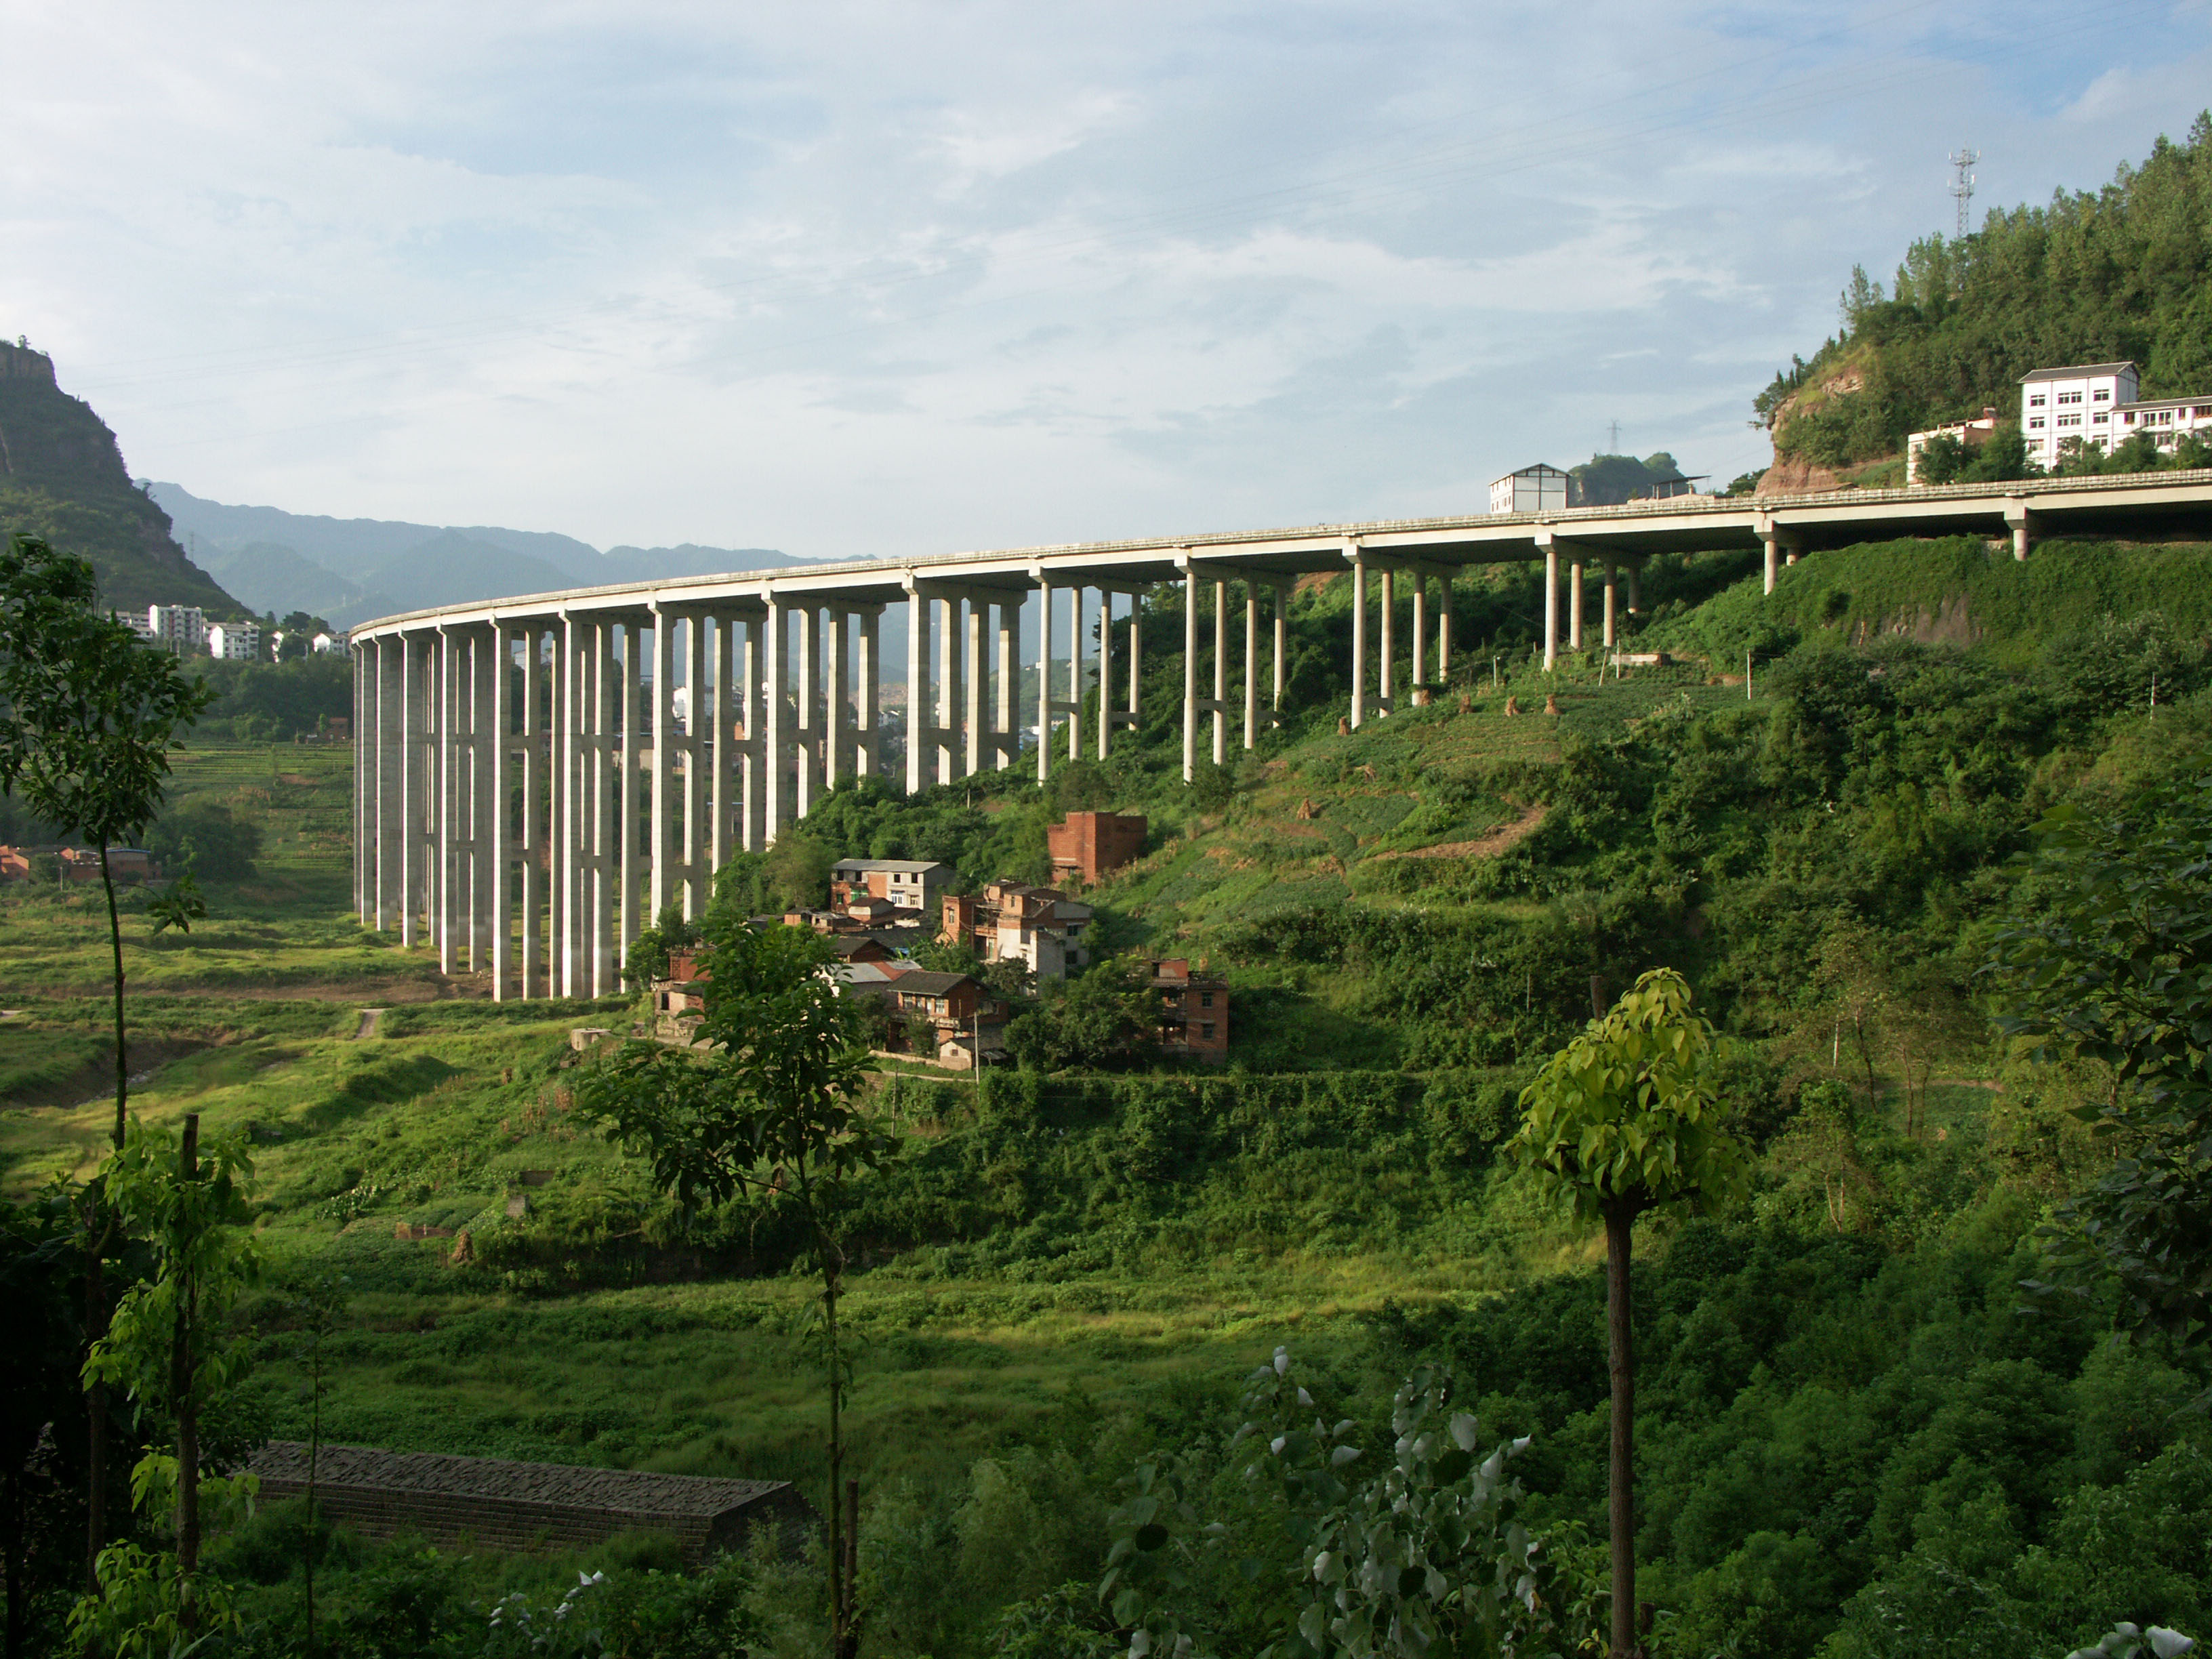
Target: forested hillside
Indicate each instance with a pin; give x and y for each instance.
(61, 478)
(2124, 272)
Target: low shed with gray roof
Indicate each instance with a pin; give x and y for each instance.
(499, 1504)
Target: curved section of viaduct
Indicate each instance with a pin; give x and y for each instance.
(532, 820)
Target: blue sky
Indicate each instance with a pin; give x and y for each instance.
(849, 279)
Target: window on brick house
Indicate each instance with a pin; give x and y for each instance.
(1205, 999)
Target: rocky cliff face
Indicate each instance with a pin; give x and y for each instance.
(62, 476)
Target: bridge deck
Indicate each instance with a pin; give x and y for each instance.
(2127, 506)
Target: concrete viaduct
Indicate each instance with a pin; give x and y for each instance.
(533, 822)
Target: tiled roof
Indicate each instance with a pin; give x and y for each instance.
(2079, 371)
(928, 985)
(627, 1490)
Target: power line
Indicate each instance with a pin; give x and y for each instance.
(1962, 181)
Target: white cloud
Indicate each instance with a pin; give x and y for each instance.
(854, 277)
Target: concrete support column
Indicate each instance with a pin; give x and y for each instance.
(1551, 604)
(775, 729)
(1420, 626)
(599, 756)
(976, 645)
(836, 688)
(390, 742)
(1105, 671)
(484, 738)
(662, 874)
(1358, 635)
(1251, 662)
(1385, 686)
(868, 665)
(1220, 673)
(529, 769)
(1044, 682)
(628, 806)
(451, 710)
(1768, 542)
(1444, 626)
(1136, 658)
(1575, 603)
(1189, 674)
(712, 724)
(1612, 633)
(749, 658)
(1282, 638)
(1075, 672)
(694, 851)
(571, 640)
(1006, 741)
(952, 693)
(920, 733)
(807, 697)
(364, 781)
(499, 809)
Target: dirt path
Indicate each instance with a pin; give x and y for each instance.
(1489, 846)
(367, 1026)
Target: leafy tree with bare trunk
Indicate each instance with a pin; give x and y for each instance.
(770, 1110)
(88, 717)
(1624, 1120)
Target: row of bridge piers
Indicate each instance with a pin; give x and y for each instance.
(532, 791)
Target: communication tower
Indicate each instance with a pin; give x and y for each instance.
(1962, 181)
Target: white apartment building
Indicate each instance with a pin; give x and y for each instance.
(2167, 418)
(2082, 401)
(1538, 488)
(234, 642)
(334, 645)
(181, 628)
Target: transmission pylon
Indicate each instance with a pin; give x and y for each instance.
(1962, 181)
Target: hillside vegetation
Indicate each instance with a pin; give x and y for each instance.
(1852, 1433)
(2124, 272)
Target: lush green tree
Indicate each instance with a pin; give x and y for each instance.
(1943, 459)
(1624, 1120)
(770, 1111)
(87, 718)
(2116, 969)
(1107, 1014)
(170, 1345)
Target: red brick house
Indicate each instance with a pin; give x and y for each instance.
(1193, 1012)
(1085, 846)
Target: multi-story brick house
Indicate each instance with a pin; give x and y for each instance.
(1040, 928)
(909, 883)
(1193, 1012)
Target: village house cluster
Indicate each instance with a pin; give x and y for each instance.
(881, 909)
(184, 630)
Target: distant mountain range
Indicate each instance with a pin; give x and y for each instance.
(348, 570)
